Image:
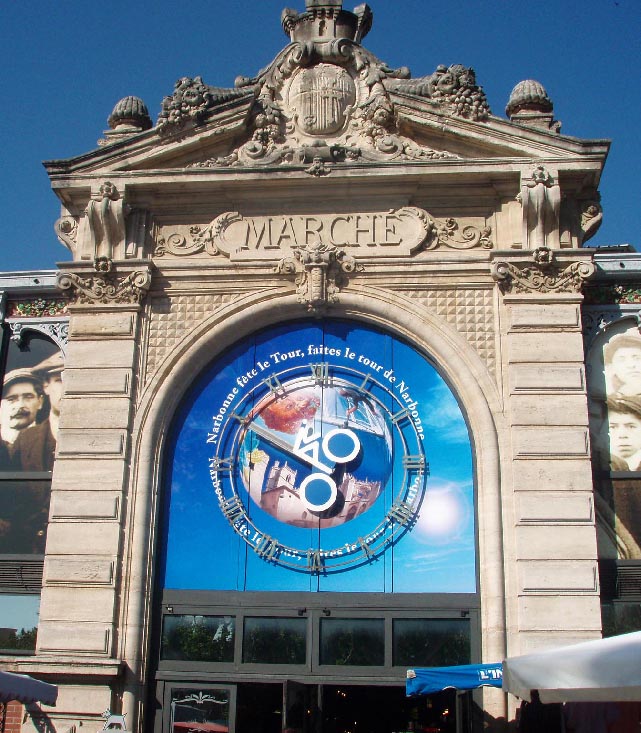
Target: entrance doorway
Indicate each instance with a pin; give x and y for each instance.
(293, 707)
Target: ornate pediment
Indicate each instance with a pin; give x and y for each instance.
(325, 99)
(324, 102)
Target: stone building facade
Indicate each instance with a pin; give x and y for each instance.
(329, 209)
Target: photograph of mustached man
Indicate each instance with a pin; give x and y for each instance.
(29, 414)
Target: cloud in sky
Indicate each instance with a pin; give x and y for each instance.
(442, 413)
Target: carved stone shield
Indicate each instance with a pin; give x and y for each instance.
(319, 98)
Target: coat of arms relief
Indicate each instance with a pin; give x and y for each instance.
(325, 99)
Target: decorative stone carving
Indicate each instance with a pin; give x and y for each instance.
(319, 98)
(545, 276)
(320, 271)
(129, 117)
(332, 90)
(591, 219)
(470, 311)
(326, 91)
(171, 320)
(66, 229)
(540, 199)
(401, 232)
(530, 105)
(326, 18)
(318, 168)
(453, 90)
(106, 287)
(105, 223)
(191, 101)
(449, 234)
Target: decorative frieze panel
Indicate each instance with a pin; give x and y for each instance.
(36, 308)
(48, 316)
(398, 232)
(619, 294)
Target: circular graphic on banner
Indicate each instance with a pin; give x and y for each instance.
(318, 447)
(316, 456)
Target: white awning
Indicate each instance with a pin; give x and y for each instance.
(26, 689)
(603, 670)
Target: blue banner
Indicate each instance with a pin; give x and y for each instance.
(427, 681)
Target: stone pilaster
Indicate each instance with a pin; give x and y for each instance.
(552, 593)
(79, 609)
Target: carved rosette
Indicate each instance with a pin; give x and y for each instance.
(106, 287)
(320, 272)
(544, 276)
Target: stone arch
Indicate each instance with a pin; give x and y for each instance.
(458, 363)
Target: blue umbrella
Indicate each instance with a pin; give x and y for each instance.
(427, 680)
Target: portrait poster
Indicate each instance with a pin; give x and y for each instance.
(29, 410)
(321, 456)
(614, 390)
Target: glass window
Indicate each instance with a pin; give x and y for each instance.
(620, 618)
(24, 514)
(431, 642)
(198, 638)
(18, 623)
(352, 642)
(275, 640)
(194, 710)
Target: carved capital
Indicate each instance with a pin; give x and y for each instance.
(320, 272)
(545, 275)
(107, 285)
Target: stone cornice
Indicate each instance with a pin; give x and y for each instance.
(48, 666)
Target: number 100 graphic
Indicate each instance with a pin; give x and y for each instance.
(319, 446)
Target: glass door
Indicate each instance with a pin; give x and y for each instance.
(199, 708)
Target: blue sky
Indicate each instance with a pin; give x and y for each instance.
(65, 63)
